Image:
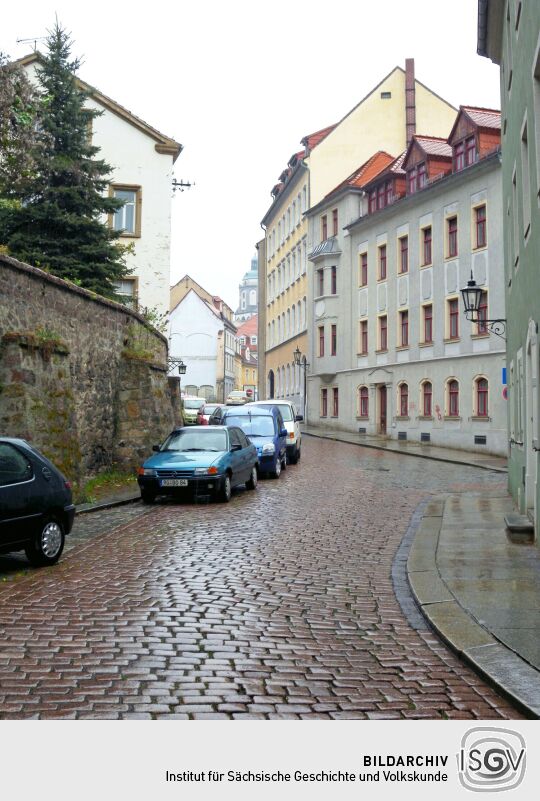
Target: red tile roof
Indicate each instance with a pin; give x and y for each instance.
(394, 168)
(367, 172)
(434, 146)
(249, 328)
(312, 140)
(483, 117)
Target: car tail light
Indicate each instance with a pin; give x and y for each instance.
(67, 485)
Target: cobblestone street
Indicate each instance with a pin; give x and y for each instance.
(279, 604)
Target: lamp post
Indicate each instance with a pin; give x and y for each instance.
(472, 295)
(301, 361)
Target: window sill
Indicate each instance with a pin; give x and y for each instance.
(382, 351)
(402, 347)
(481, 419)
(451, 339)
(425, 417)
(362, 417)
(127, 235)
(403, 272)
(480, 336)
(382, 280)
(365, 353)
(423, 266)
(402, 418)
(426, 344)
(479, 248)
(452, 417)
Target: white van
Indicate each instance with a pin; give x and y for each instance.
(291, 420)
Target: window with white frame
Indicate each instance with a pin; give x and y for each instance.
(127, 219)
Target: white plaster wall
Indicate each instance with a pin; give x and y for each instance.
(194, 338)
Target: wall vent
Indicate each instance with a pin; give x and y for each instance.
(361, 430)
(480, 439)
(425, 436)
(402, 435)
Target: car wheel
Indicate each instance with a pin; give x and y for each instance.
(148, 496)
(226, 490)
(284, 461)
(298, 454)
(251, 483)
(47, 545)
(277, 470)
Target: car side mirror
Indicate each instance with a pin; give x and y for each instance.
(283, 432)
(156, 448)
(236, 447)
(299, 418)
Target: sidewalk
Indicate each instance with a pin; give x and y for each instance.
(479, 589)
(127, 495)
(419, 449)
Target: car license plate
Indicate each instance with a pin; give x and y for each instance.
(174, 482)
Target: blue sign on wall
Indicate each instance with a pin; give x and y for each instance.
(504, 376)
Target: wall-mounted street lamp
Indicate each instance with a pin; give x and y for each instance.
(173, 362)
(301, 361)
(472, 296)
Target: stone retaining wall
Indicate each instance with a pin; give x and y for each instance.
(81, 377)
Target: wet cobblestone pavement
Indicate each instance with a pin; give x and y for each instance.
(278, 605)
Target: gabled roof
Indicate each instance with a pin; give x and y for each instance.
(434, 146)
(367, 172)
(486, 118)
(164, 144)
(395, 168)
(249, 327)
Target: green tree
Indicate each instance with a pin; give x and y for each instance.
(58, 224)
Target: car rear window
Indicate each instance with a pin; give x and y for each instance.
(259, 425)
(193, 404)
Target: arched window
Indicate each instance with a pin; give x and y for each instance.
(252, 297)
(271, 387)
(453, 398)
(403, 400)
(482, 388)
(287, 380)
(427, 399)
(293, 321)
(363, 402)
(288, 327)
(304, 313)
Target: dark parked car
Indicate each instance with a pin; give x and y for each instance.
(36, 509)
(265, 428)
(202, 461)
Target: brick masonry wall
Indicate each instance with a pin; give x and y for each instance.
(81, 377)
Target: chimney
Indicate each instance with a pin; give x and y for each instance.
(410, 101)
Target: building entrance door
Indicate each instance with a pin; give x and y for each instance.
(382, 409)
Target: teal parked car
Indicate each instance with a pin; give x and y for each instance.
(201, 461)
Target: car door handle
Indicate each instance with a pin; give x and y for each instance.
(46, 473)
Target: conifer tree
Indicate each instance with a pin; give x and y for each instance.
(60, 224)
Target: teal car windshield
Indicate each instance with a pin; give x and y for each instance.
(253, 426)
(196, 441)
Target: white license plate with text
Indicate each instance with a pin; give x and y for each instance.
(174, 482)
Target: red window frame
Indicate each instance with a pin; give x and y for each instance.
(453, 399)
(483, 313)
(324, 402)
(364, 402)
(380, 196)
(404, 254)
(411, 181)
(459, 156)
(333, 340)
(427, 396)
(480, 224)
(388, 193)
(372, 201)
(452, 224)
(321, 340)
(428, 323)
(320, 282)
(334, 222)
(363, 336)
(404, 400)
(363, 269)
(324, 228)
(453, 319)
(404, 327)
(422, 175)
(382, 262)
(427, 245)
(470, 150)
(333, 280)
(335, 402)
(383, 332)
(482, 389)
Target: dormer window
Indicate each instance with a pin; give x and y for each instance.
(422, 175)
(411, 181)
(372, 201)
(470, 150)
(388, 193)
(464, 153)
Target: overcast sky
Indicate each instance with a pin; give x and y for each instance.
(239, 83)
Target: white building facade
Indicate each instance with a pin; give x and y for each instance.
(142, 162)
(391, 352)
